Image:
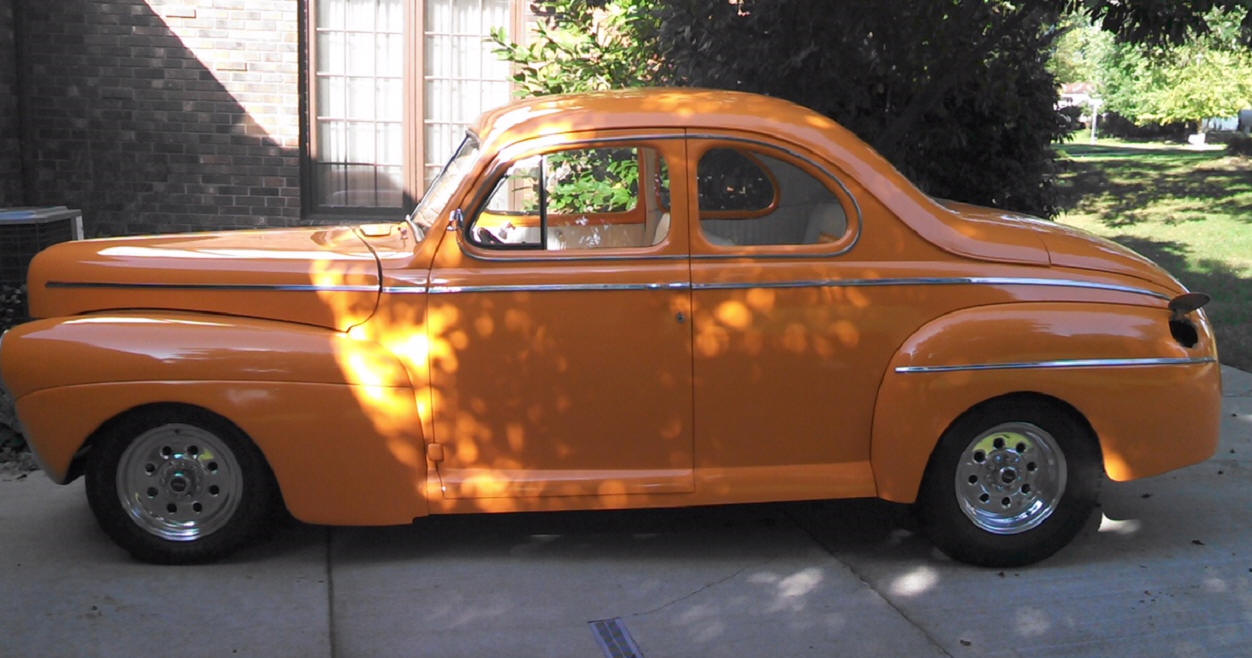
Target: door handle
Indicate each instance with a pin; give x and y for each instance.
(680, 317)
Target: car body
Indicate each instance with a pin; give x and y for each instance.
(641, 298)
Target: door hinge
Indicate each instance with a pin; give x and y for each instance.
(434, 452)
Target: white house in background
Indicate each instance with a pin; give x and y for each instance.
(1076, 93)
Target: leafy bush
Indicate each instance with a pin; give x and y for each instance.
(12, 305)
(1113, 124)
(956, 95)
(1073, 115)
(12, 311)
(1239, 144)
(12, 444)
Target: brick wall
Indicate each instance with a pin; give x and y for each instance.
(162, 116)
(10, 125)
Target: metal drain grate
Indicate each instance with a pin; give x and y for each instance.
(614, 640)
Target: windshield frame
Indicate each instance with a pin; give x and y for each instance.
(443, 186)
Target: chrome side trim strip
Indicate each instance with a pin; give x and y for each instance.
(931, 281)
(561, 287)
(568, 259)
(1066, 283)
(252, 287)
(1063, 363)
(675, 285)
(807, 283)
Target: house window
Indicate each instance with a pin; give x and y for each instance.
(463, 76)
(393, 85)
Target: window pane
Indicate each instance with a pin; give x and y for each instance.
(593, 181)
(750, 198)
(330, 52)
(592, 198)
(330, 185)
(390, 186)
(511, 216)
(330, 14)
(731, 180)
(391, 16)
(361, 14)
(331, 95)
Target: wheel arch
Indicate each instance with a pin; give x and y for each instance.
(981, 354)
(311, 400)
(79, 459)
(1023, 398)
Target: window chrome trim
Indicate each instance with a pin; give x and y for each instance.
(1062, 363)
(478, 199)
(497, 170)
(237, 287)
(856, 206)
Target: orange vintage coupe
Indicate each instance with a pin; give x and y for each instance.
(627, 299)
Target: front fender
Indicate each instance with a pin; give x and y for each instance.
(177, 346)
(1101, 360)
(335, 417)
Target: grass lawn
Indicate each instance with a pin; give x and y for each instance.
(1188, 210)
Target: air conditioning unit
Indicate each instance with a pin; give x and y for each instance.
(26, 231)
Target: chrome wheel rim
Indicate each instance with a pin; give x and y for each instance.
(1010, 478)
(179, 482)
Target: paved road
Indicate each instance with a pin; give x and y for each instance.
(1166, 570)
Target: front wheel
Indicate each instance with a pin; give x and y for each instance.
(179, 485)
(1010, 483)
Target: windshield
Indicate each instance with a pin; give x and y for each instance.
(445, 184)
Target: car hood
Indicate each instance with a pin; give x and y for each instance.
(320, 276)
(1060, 245)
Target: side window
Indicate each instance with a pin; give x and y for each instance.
(750, 198)
(590, 198)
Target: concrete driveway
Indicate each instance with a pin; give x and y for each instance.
(1166, 570)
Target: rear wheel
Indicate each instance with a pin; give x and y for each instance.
(178, 485)
(1010, 483)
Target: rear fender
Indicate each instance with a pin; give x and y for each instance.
(1099, 360)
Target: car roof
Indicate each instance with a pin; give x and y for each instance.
(714, 111)
(656, 107)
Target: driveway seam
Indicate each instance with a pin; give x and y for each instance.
(899, 611)
(703, 588)
(330, 596)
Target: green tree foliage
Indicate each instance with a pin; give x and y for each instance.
(584, 45)
(955, 94)
(1209, 75)
(1154, 22)
(1079, 51)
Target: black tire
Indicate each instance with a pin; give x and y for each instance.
(985, 518)
(179, 485)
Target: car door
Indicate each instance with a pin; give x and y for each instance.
(783, 378)
(559, 330)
